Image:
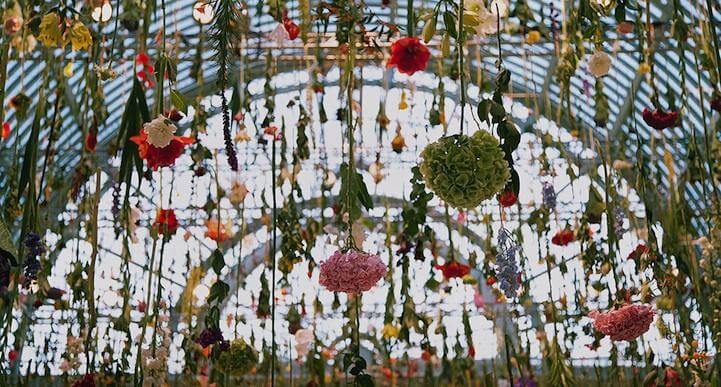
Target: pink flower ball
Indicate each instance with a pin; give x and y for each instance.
(351, 272)
(627, 323)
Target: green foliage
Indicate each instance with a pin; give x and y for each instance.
(353, 194)
(238, 359)
(465, 170)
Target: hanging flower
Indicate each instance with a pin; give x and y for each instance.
(533, 37)
(292, 28)
(217, 231)
(239, 359)
(659, 119)
(160, 157)
(351, 272)
(599, 64)
(165, 222)
(6, 130)
(643, 68)
(50, 34)
(409, 55)
(238, 192)
(91, 140)
(465, 170)
(87, 381)
(146, 73)
(563, 238)
(160, 130)
(80, 38)
(506, 267)
(716, 101)
(484, 21)
(398, 142)
(507, 198)
(627, 323)
(390, 331)
(638, 252)
(209, 337)
(303, 340)
(279, 34)
(453, 269)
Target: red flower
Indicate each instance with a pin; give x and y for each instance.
(471, 352)
(292, 28)
(671, 378)
(146, 73)
(6, 131)
(87, 381)
(453, 269)
(659, 119)
(507, 198)
(562, 238)
(165, 222)
(639, 251)
(716, 102)
(160, 157)
(12, 356)
(91, 141)
(409, 55)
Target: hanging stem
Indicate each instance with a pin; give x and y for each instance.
(460, 64)
(272, 257)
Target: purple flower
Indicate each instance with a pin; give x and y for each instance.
(549, 195)
(506, 267)
(209, 336)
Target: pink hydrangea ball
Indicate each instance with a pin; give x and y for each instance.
(351, 272)
(627, 323)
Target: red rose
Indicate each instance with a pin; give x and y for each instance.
(562, 238)
(454, 269)
(659, 119)
(165, 222)
(507, 198)
(409, 55)
(160, 157)
(292, 28)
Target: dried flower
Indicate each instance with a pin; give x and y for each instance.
(507, 198)
(549, 195)
(80, 38)
(563, 238)
(659, 119)
(599, 64)
(453, 269)
(165, 222)
(351, 272)
(627, 323)
(238, 359)
(50, 34)
(506, 267)
(161, 131)
(160, 157)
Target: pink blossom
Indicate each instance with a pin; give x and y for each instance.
(627, 323)
(351, 272)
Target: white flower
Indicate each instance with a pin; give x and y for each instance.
(599, 63)
(303, 339)
(160, 131)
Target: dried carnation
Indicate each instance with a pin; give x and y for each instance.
(351, 272)
(627, 323)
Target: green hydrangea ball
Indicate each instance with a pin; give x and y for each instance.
(465, 170)
(238, 359)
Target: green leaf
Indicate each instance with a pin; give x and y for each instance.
(364, 380)
(178, 100)
(450, 21)
(217, 262)
(218, 291)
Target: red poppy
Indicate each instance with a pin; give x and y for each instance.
(562, 238)
(659, 119)
(639, 251)
(165, 222)
(507, 198)
(6, 131)
(292, 28)
(409, 55)
(453, 269)
(160, 157)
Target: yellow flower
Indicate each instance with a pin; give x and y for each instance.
(50, 33)
(68, 69)
(390, 330)
(403, 105)
(644, 68)
(80, 36)
(533, 37)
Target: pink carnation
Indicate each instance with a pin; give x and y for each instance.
(627, 323)
(351, 272)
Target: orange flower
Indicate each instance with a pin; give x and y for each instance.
(216, 231)
(160, 157)
(453, 269)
